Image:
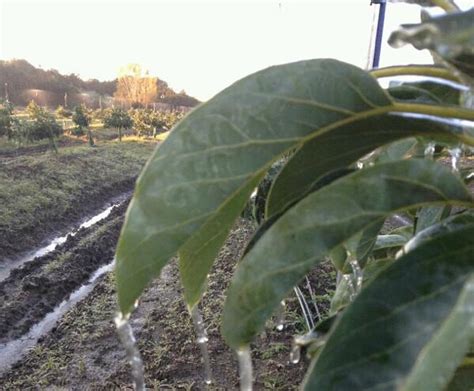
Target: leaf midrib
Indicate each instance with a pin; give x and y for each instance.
(393, 107)
(298, 264)
(384, 318)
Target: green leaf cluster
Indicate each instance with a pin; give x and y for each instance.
(352, 161)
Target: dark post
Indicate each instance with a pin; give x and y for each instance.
(379, 34)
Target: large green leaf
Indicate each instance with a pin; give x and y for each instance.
(359, 247)
(318, 224)
(431, 3)
(341, 147)
(430, 215)
(426, 92)
(447, 225)
(219, 149)
(463, 379)
(450, 36)
(362, 244)
(411, 326)
(389, 241)
(396, 151)
(197, 255)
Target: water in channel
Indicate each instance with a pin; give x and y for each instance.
(11, 352)
(202, 339)
(127, 338)
(354, 280)
(455, 154)
(7, 267)
(280, 316)
(245, 368)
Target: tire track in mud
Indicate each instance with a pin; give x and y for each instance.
(83, 350)
(35, 289)
(7, 266)
(14, 242)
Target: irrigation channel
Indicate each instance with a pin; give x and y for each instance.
(67, 338)
(8, 265)
(39, 287)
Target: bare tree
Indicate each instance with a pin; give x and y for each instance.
(134, 86)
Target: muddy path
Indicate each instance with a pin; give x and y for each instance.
(15, 243)
(83, 350)
(7, 265)
(34, 289)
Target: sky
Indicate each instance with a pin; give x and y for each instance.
(199, 46)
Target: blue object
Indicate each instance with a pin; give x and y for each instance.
(379, 34)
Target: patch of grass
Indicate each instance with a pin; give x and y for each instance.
(40, 188)
(7, 145)
(57, 263)
(273, 349)
(162, 136)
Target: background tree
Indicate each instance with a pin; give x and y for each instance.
(6, 119)
(42, 125)
(82, 119)
(148, 122)
(118, 119)
(136, 87)
(34, 111)
(63, 112)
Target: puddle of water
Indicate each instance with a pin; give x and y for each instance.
(7, 267)
(98, 217)
(11, 352)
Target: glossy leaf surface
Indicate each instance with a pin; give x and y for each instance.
(410, 328)
(450, 36)
(191, 185)
(319, 223)
(341, 147)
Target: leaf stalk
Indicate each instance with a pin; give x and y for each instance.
(416, 70)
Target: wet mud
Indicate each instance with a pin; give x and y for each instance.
(34, 289)
(83, 350)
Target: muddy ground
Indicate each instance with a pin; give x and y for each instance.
(14, 241)
(33, 290)
(83, 350)
(41, 194)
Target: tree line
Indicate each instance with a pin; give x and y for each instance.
(22, 82)
(36, 123)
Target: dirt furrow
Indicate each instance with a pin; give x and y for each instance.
(83, 351)
(14, 242)
(33, 290)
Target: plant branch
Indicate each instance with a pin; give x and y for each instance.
(419, 70)
(447, 5)
(438, 111)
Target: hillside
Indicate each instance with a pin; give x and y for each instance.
(24, 82)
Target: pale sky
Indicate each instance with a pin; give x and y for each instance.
(199, 46)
